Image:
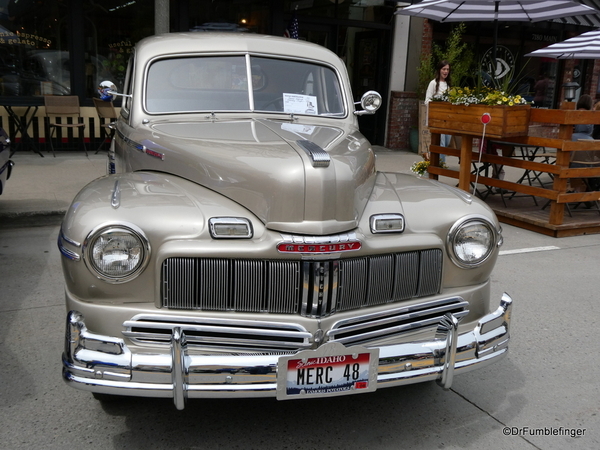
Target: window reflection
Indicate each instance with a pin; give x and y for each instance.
(35, 54)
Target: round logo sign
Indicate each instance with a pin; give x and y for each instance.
(501, 67)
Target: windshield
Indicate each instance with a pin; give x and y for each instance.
(220, 83)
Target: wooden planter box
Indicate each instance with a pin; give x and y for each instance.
(507, 121)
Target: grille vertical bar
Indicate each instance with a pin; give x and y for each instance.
(382, 280)
(213, 286)
(248, 285)
(309, 288)
(284, 286)
(407, 275)
(353, 283)
(430, 274)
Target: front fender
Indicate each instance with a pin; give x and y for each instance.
(167, 209)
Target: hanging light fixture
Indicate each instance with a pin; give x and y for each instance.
(570, 90)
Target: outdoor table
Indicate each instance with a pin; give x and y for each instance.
(22, 121)
(528, 152)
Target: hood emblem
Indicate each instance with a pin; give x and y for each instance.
(319, 244)
(319, 157)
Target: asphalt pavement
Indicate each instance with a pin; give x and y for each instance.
(41, 189)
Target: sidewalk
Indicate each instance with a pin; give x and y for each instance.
(40, 190)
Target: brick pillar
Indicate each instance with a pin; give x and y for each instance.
(404, 106)
(403, 115)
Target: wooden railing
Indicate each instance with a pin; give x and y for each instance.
(564, 118)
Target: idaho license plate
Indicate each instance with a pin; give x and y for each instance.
(330, 370)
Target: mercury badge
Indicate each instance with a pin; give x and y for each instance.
(319, 245)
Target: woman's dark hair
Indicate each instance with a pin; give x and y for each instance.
(438, 70)
(585, 102)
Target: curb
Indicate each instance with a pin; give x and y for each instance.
(31, 219)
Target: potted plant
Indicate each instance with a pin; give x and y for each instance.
(462, 109)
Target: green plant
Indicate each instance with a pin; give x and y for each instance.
(455, 51)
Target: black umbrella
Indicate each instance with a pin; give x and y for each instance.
(496, 10)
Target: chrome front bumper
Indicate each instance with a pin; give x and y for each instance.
(105, 364)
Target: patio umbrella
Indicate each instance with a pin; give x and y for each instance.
(496, 11)
(584, 46)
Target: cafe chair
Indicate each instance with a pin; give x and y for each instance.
(63, 113)
(106, 111)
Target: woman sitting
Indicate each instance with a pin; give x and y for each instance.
(587, 158)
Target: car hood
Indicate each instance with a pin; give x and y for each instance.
(264, 166)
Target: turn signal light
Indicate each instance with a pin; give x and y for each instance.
(230, 228)
(387, 223)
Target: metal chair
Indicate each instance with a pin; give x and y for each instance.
(105, 110)
(64, 107)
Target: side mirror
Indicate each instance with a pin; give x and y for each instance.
(370, 102)
(107, 91)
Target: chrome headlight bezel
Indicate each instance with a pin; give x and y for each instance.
(486, 245)
(114, 229)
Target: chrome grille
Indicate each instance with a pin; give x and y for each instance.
(389, 323)
(309, 288)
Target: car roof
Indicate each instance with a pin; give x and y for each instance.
(190, 42)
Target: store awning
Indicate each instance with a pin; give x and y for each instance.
(590, 20)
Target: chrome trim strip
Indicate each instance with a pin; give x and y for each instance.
(68, 239)
(140, 147)
(319, 157)
(66, 252)
(366, 328)
(250, 85)
(217, 333)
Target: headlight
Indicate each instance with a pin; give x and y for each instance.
(116, 253)
(471, 241)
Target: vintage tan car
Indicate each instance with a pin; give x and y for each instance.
(244, 245)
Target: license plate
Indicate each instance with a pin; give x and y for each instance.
(330, 370)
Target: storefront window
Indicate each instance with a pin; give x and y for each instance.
(363, 10)
(230, 16)
(36, 52)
